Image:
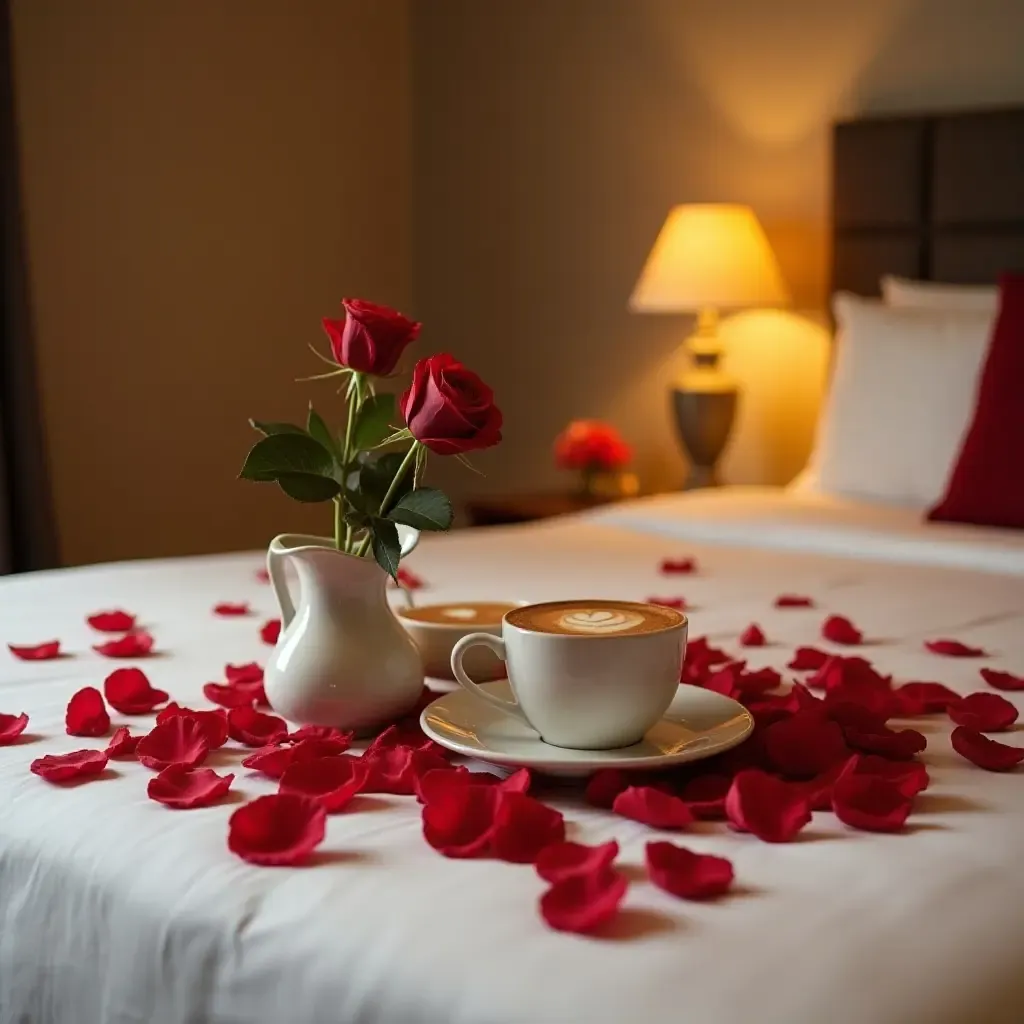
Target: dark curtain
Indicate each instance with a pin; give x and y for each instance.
(27, 535)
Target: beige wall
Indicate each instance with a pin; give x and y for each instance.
(551, 138)
(203, 179)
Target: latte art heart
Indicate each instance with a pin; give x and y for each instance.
(582, 621)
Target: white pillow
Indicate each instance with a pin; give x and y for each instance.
(907, 294)
(902, 395)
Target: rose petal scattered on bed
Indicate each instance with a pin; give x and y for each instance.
(177, 740)
(793, 601)
(183, 788)
(752, 682)
(723, 680)
(584, 902)
(228, 695)
(901, 744)
(458, 820)
(604, 786)
(396, 769)
(114, 621)
(839, 630)
(131, 645)
(403, 734)
(332, 781)
(280, 830)
(340, 738)
(1002, 680)
(270, 631)
(523, 826)
(985, 712)
(766, 807)
(954, 649)
(563, 860)
(678, 566)
(705, 796)
(924, 698)
(910, 777)
(250, 672)
(65, 767)
(214, 724)
(679, 603)
(408, 579)
(86, 714)
(129, 692)
(230, 609)
(753, 636)
(274, 759)
(254, 728)
(36, 652)
(653, 807)
(870, 803)
(262, 575)
(122, 743)
(688, 875)
(804, 745)
(11, 727)
(986, 753)
(806, 659)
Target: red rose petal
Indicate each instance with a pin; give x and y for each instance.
(87, 714)
(753, 636)
(818, 791)
(122, 743)
(766, 807)
(251, 672)
(757, 681)
(433, 780)
(563, 860)
(228, 695)
(804, 745)
(278, 830)
(458, 820)
(262, 575)
(653, 807)
(989, 754)
(128, 691)
(405, 734)
(901, 745)
(273, 760)
(408, 579)
(184, 788)
(839, 630)
(523, 826)
(64, 767)
(678, 566)
(38, 652)
(806, 659)
(116, 621)
(1002, 680)
(723, 681)
(339, 737)
(214, 724)
(331, 781)
(985, 712)
(909, 777)
(679, 603)
(850, 672)
(396, 769)
(954, 649)
(924, 698)
(229, 609)
(177, 740)
(793, 601)
(870, 803)
(254, 728)
(688, 875)
(583, 902)
(270, 631)
(11, 727)
(131, 645)
(604, 786)
(705, 796)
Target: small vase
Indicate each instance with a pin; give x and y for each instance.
(607, 485)
(342, 658)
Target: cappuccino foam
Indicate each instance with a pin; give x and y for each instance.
(466, 613)
(594, 618)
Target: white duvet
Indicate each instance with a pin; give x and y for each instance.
(116, 910)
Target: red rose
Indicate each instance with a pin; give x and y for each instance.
(591, 445)
(371, 338)
(449, 409)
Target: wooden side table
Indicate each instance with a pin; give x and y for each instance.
(503, 510)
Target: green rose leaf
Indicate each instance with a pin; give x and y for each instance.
(287, 453)
(267, 429)
(425, 508)
(319, 431)
(307, 487)
(386, 547)
(375, 478)
(376, 415)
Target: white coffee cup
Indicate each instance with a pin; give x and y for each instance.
(586, 690)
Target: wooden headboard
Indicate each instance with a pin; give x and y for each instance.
(931, 197)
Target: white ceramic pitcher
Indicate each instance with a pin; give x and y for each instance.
(342, 658)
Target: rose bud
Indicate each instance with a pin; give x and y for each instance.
(371, 338)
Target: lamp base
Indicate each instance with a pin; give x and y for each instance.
(704, 421)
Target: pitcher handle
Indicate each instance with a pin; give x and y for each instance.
(496, 644)
(276, 571)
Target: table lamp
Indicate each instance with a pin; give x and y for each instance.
(707, 257)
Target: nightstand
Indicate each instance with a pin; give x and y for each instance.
(503, 510)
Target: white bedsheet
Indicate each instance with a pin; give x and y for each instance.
(115, 910)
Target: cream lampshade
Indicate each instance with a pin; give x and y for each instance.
(707, 257)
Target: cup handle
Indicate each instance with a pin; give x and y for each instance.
(496, 644)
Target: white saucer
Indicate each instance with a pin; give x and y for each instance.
(699, 723)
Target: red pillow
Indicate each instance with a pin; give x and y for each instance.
(987, 485)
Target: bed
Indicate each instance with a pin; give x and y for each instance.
(115, 910)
